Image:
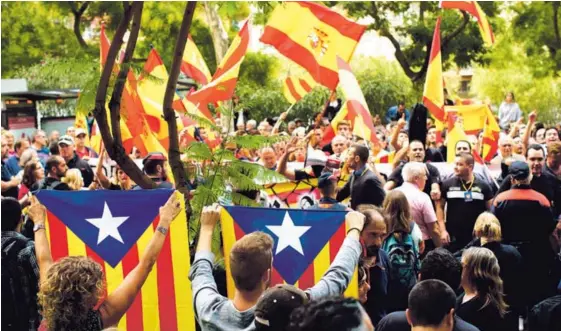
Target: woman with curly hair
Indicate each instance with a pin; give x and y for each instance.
(72, 287)
(483, 303)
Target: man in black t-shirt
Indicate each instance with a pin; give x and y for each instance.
(465, 196)
(416, 153)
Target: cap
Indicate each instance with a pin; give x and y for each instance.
(79, 131)
(325, 179)
(66, 140)
(519, 170)
(156, 156)
(276, 304)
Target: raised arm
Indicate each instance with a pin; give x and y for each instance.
(38, 214)
(339, 274)
(290, 147)
(103, 180)
(118, 302)
(526, 135)
(395, 134)
(281, 119)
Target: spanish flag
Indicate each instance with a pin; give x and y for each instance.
(331, 131)
(76, 226)
(356, 104)
(193, 64)
(474, 119)
(473, 8)
(321, 234)
(433, 93)
(295, 88)
(226, 76)
(151, 91)
(313, 36)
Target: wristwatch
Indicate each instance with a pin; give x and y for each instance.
(38, 227)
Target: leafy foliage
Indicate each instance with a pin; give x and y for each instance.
(534, 27)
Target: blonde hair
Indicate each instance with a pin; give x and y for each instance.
(74, 179)
(487, 226)
(481, 268)
(72, 288)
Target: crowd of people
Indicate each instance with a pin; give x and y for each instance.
(460, 252)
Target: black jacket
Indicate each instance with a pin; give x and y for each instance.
(366, 189)
(87, 172)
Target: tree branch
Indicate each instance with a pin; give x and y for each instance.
(384, 32)
(100, 112)
(115, 103)
(169, 114)
(77, 17)
(456, 32)
(556, 23)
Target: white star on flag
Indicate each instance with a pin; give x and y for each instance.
(288, 234)
(108, 225)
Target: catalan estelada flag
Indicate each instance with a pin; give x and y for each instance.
(313, 36)
(433, 93)
(193, 64)
(296, 87)
(114, 228)
(356, 104)
(473, 8)
(225, 78)
(306, 242)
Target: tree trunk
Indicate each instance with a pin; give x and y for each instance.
(169, 114)
(219, 35)
(100, 113)
(78, 12)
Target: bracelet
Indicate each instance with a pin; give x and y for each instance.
(162, 230)
(351, 229)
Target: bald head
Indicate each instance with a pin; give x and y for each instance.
(268, 157)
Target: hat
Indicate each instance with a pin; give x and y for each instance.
(66, 140)
(296, 120)
(276, 304)
(519, 170)
(325, 179)
(79, 131)
(156, 156)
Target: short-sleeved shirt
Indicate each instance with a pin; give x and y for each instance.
(433, 177)
(422, 211)
(462, 212)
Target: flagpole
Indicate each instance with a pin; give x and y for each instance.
(280, 120)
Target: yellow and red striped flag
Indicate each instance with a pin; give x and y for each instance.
(474, 119)
(475, 10)
(151, 91)
(313, 36)
(433, 93)
(295, 88)
(356, 104)
(193, 64)
(303, 268)
(226, 76)
(165, 300)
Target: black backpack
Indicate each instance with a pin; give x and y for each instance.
(15, 313)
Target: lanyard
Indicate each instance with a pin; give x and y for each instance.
(464, 186)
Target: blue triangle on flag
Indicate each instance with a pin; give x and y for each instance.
(73, 208)
(289, 262)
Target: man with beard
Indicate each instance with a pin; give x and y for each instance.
(364, 186)
(68, 152)
(465, 196)
(377, 260)
(542, 181)
(416, 153)
(154, 167)
(56, 169)
(9, 182)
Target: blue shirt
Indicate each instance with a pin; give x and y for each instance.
(12, 165)
(392, 115)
